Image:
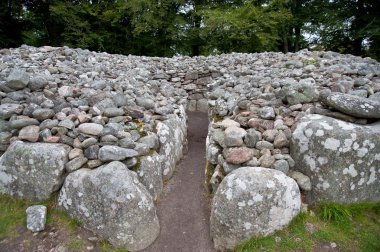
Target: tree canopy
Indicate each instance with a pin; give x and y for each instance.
(194, 27)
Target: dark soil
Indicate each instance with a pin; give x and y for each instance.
(55, 238)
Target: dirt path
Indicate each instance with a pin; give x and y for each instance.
(183, 210)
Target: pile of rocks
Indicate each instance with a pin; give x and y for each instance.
(65, 112)
(80, 122)
(255, 110)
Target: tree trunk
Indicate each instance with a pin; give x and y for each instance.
(356, 26)
(297, 33)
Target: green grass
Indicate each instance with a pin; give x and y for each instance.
(13, 215)
(106, 247)
(351, 228)
(76, 245)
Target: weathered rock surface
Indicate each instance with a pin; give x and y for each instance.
(111, 202)
(33, 170)
(36, 218)
(171, 134)
(7, 110)
(238, 155)
(18, 79)
(115, 153)
(90, 128)
(150, 174)
(298, 93)
(353, 105)
(92, 101)
(341, 159)
(252, 201)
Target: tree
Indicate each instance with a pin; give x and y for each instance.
(10, 23)
(253, 26)
(347, 26)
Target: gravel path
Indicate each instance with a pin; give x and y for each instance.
(184, 209)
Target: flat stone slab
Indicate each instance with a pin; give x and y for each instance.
(353, 105)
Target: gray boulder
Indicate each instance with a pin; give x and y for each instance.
(36, 218)
(33, 170)
(111, 202)
(341, 159)
(18, 79)
(9, 109)
(93, 129)
(298, 93)
(37, 82)
(234, 136)
(115, 153)
(252, 202)
(171, 134)
(146, 103)
(353, 105)
(151, 141)
(150, 174)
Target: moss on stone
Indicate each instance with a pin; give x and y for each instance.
(208, 174)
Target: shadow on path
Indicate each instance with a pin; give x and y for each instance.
(184, 208)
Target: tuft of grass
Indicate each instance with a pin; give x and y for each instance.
(12, 214)
(107, 247)
(76, 245)
(335, 212)
(353, 228)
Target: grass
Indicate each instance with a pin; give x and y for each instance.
(351, 228)
(13, 215)
(107, 247)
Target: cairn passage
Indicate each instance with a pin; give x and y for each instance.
(106, 132)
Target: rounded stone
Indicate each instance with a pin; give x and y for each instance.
(281, 165)
(238, 155)
(252, 202)
(29, 133)
(18, 79)
(90, 129)
(42, 114)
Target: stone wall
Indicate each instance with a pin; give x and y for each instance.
(102, 114)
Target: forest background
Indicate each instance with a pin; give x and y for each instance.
(194, 27)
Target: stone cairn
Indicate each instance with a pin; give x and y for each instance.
(106, 131)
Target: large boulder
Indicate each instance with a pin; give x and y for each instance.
(150, 174)
(252, 202)
(111, 202)
(353, 105)
(171, 134)
(33, 170)
(341, 159)
(18, 79)
(297, 93)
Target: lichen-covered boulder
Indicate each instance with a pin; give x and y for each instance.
(33, 170)
(172, 134)
(111, 202)
(297, 93)
(341, 159)
(353, 105)
(252, 201)
(150, 174)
